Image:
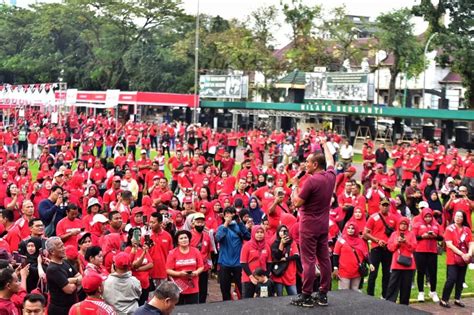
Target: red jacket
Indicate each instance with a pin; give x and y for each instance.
(407, 249)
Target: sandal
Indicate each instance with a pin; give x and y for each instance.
(459, 303)
(444, 304)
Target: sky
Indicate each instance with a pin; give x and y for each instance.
(240, 9)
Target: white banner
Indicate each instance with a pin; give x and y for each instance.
(112, 98)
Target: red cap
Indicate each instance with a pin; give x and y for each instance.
(71, 252)
(379, 165)
(156, 177)
(122, 260)
(67, 172)
(116, 178)
(91, 282)
(187, 200)
(352, 169)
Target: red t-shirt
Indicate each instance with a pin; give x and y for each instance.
(254, 258)
(316, 193)
(65, 225)
(92, 306)
(456, 236)
(190, 261)
(202, 241)
(377, 227)
(163, 244)
(348, 265)
(142, 276)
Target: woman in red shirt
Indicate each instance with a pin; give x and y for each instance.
(285, 259)
(403, 244)
(428, 232)
(459, 251)
(184, 264)
(350, 250)
(142, 262)
(255, 254)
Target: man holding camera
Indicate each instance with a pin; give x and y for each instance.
(230, 236)
(378, 229)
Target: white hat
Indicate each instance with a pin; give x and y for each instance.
(93, 201)
(58, 173)
(99, 218)
(423, 204)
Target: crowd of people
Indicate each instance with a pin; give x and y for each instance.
(135, 217)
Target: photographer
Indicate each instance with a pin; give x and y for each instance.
(378, 229)
(230, 236)
(285, 258)
(141, 261)
(50, 210)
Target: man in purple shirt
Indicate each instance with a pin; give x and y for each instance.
(313, 201)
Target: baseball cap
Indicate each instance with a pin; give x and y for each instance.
(99, 218)
(198, 215)
(136, 210)
(385, 201)
(143, 151)
(423, 204)
(58, 173)
(67, 172)
(91, 282)
(92, 202)
(379, 165)
(352, 169)
(122, 260)
(187, 200)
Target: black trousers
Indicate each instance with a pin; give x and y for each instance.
(227, 275)
(400, 281)
(426, 264)
(144, 296)
(248, 290)
(132, 149)
(379, 256)
(232, 150)
(188, 299)
(454, 279)
(203, 283)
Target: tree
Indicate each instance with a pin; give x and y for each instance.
(395, 36)
(343, 32)
(308, 51)
(456, 39)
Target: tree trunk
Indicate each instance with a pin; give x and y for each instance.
(391, 88)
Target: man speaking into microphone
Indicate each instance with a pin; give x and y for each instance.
(313, 200)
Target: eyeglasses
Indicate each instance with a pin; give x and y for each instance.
(385, 205)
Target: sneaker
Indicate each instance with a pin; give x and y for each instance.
(421, 296)
(303, 300)
(464, 285)
(434, 297)
(321, 299)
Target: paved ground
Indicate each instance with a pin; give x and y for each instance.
(454, 310)
(340, 303)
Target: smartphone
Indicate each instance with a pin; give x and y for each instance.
(19, 259)
(136, 235)
(189, 272)
(281, 194)
(145, 219)
(83, 229)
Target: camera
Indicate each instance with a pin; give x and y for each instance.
(148, 241)
(281, 193)
(235, 217)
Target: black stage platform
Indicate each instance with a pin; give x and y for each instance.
(340, 303)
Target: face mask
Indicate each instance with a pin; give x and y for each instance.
(270, 185)
(199, 228)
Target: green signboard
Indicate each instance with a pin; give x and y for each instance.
(358, 110)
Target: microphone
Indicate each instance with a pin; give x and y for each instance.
(301, 174)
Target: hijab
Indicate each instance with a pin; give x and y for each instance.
(255, 213)
(258, 245)
(354, 240)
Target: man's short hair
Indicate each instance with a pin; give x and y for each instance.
(6, 276)
(127, 194)
(32, 222)
(112, 213)
(158, 216)
(49, 244)
(167, 290)
(92, 252)
(72, 206)
(8, 214)
(33, 298)
(56, 187)
(320, 159)
(230, 210)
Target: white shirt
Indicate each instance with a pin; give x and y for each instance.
(346, 152)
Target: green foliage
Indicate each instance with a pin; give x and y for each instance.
(405, 48)
(456, 38)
